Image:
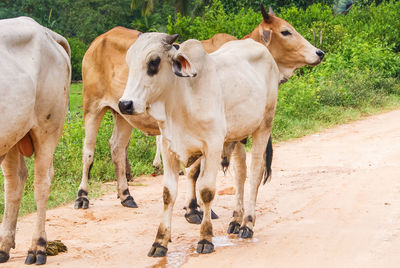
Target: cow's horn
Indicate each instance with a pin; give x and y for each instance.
(264, 12)
(170, 39)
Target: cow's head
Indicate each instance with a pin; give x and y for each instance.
(289, 49)
(154, 61)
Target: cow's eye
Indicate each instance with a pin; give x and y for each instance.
(285, 33)
(152, 66)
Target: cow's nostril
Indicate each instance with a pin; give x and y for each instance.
(320, 54)
(126, 107)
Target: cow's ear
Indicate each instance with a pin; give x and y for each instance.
(266, 36)
(182, 67)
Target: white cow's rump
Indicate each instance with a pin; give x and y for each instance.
(201, 103)
(34, 86)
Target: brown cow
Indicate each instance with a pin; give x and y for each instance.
(105, 72)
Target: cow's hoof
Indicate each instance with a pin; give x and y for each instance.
(213, 215)
(129, 202)
(31, 258)
(233, 228)
(4, 256)
(204, 246)
(41, 257)
(157, 250)
(245, 232)
(181, 173)
(81, 202)
(194, 216)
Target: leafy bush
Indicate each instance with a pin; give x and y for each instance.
(215, 20)
(78, 49)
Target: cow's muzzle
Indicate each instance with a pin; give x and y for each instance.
(126, 107)
(320, 54)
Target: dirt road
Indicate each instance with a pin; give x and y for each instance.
(334, 201)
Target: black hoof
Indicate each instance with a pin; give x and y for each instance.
(41, 258)
(213, 215)
(194, 216)
(31, 258)
(245, 232)
(157, 250)
(129, 202)
(233, 228)
(81, 202)
(4, 256)
(204, 246)
(181, 173)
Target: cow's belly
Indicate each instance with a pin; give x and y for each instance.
(245, 109)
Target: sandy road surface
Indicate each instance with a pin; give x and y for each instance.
(334, 201)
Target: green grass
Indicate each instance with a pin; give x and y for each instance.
(300, 111)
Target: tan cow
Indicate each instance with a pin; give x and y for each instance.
(105, 71)
(34, 85)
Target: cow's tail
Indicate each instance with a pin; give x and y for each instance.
(268, 161)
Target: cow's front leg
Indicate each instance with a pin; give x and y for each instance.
(92, 124)
(171, 169)
(206, 192)
(258, 166)
(239, 162)
(15, 174)
(118, 146)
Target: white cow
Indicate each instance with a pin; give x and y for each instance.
(34, 85)
(203, 103)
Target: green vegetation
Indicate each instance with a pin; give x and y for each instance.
(359, 76)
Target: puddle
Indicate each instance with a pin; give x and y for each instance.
(177, 258)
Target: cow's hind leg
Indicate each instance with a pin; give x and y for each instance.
(92, 124)
(15, 174)
(43, 175)
(239, 162)
(193, 214)
(118, 144)
(258, 166)
(171, 169)
(157, 157)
